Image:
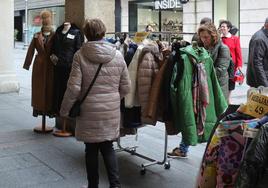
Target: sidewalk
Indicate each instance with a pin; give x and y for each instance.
(30, 160)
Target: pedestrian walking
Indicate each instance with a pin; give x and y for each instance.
(257, 69)
(233, 42)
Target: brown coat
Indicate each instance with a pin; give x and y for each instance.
(153, 109)
(42, 73)
(147, 69)
(100, 112)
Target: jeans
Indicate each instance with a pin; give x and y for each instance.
(110, 161)
(183, 147)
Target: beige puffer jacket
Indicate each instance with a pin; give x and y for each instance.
(147, 69)
(100, 112)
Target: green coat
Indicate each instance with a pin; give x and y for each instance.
(182, 101)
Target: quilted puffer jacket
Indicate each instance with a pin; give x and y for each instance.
(148, 66)
(100, 112)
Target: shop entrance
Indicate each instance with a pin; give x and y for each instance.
(161, 15)
(18, 27)
(226, 9)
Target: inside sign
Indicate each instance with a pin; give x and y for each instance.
(167, 4)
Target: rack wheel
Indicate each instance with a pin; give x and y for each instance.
(132, 151)
(167, 165)
(143, 171)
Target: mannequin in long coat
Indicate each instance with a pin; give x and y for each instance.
(68, 39)
(42, 72)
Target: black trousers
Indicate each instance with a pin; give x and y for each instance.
(110, 161)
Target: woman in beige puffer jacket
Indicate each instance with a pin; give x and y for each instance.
(99, 121)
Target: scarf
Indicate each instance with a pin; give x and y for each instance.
(200, 94)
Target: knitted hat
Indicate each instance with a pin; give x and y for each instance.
(46, 17)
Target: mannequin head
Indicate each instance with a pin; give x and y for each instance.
(46, 17)
(94, 29)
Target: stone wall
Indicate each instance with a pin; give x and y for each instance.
(8, 80)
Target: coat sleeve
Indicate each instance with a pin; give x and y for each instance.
(29, 56)
(258, 59)
(125, 83)
(79, 40)
(73, 87)
(222, 62)
(238, 53)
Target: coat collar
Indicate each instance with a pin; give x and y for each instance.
(265, 31)
(200, 54)
(39, 36)
(229, 35)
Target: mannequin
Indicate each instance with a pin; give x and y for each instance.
(68, 39)
(42, 72)
(67, 26)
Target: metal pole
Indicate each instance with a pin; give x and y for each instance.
(26, 25)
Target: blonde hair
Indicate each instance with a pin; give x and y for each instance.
(94, 29)
(212, 31)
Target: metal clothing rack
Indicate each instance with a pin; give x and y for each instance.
(160, 33)
(132, 150)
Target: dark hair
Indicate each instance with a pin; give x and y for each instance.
(227, 22)
(94, 29)
(205, 20)
(212, 31)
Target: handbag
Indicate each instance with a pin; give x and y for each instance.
(239, 76)
(75, 110)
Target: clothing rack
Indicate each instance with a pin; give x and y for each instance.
(132, 150)
(168, 33)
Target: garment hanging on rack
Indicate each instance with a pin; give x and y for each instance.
(182, 100)
(225, 152)
(254, 168)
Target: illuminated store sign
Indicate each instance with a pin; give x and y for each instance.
(167, 4)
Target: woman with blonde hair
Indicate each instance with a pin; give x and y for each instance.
(99, 122)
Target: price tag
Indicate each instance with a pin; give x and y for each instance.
(221, 132)
(257, 105)
(250, 132)
(140, 36)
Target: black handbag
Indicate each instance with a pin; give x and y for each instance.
(75, 110)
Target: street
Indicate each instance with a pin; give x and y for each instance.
(31, 160)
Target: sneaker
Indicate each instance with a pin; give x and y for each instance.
(177, 153)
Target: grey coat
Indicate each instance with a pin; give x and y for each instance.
(100, 112)
(257, 69)
(221, 58)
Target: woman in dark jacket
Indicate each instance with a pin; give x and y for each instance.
(219, 52)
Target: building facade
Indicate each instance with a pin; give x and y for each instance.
(164, 15)
(247, 15)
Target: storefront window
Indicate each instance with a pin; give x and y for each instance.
(162, 15)
(229, 10)
(35, 22)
